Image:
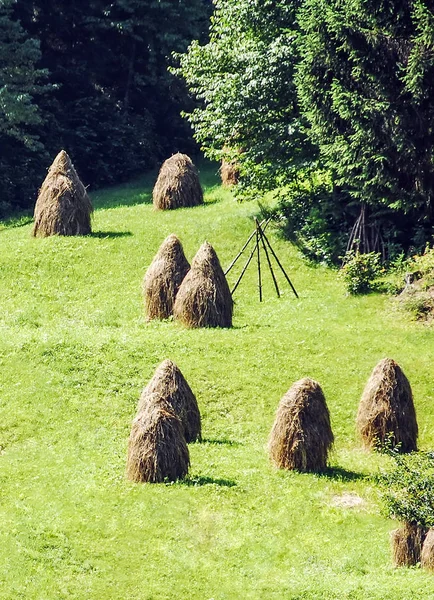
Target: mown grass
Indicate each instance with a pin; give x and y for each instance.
(75, 352)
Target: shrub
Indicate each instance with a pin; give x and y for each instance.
(359, 271)
(408, 489)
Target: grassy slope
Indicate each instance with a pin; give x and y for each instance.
(75, 352)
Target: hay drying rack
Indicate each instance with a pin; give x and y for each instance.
(261, 241)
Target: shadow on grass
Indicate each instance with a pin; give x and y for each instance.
(220, 442)
(340, 474)
(201, 480)
(19, 220)
(110, 234)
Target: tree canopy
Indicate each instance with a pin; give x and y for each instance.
(110, 100)
(244, 80)
(342, 85)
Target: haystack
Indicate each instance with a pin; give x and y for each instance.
(204, 298)
(163, 278)
(168, 385)
(386, 411)
(407, 545)
(63, 206)
(178, 184)
(301, 436)
(427, 554)
(229, 172)
(157, 449)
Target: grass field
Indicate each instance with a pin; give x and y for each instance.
(75, 352)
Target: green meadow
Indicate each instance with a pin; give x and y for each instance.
(75, 353)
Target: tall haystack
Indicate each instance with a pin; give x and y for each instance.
(301, 436)
(386, 410)
(157, 449)
(163, 278)
(407, 544)
(168, 385)
(204, 298)
(63, 206)
(229, 172)
(427, 554)
(178, 184)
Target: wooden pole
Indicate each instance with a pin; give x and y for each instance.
(258, 253)
(261, 233)
(245, 267)
(279, 263)
(244, 247)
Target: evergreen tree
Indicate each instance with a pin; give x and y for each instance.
(20, 89)
(115, 106)
(366, 85)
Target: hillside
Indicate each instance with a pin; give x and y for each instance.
(75, 352)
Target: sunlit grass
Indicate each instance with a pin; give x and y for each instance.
(75, 352)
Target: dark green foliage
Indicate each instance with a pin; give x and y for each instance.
(112, 103)
(316, 218)
(408, 489)
(366, 85)
(244, 79)
(20, 87)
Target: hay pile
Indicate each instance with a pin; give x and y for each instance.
(229, 172)
(386, 411)
(178, 184)
(157, 449)
(204, 298)
(163, 278)
(301, 436)
(407, 545)
(168, 385)
(63, 206)
(427, 554)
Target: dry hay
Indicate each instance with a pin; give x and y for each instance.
(178, 184)
(301, 436)
(229, 172)
(157, 450)
(427, 554)
(407, 544)
(163, 278)
(168, 385)
(386, 412)
(204, 298)
(63, 206)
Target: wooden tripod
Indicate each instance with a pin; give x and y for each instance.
(261, 240)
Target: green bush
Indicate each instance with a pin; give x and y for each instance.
(359, 271)
(408, 489)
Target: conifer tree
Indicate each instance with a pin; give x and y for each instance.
(366, 86)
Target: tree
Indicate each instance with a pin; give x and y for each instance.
(243, 79)
(21, 86)
(115, 105)
(19, 77)
(366, 86)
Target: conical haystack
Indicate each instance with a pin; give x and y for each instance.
(163, 278)
(229, 172)
(63, 206)
(204, 298)
(427, 554)
(301, 436)
(168, 385)
(178, 184)
(386, 411)
(157, 449)
(407, 545)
